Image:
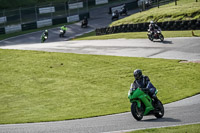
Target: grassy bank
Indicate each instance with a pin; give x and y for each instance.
(195, 128)
(41, 86)
(135, 35)
(185, 10)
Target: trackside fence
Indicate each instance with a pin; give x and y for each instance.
(49, 14)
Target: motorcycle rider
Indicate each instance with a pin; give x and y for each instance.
(143, 82)
(45, 33)
(152, 27)
(64, 28)
(123, 10)
(115, 14)
(85, 20)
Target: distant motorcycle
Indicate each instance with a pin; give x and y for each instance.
(155, 35)
(44, 38)
(62, 32)
(84, 24)
(115, 15)
(123, 11)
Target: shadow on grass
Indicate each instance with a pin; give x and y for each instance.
(164, 119)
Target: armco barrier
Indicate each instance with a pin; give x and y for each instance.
(167, 26)
(81, 16)
(29, 26)
(38, 24)
(59, 20)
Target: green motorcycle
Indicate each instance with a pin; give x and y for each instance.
(142, 104)
(43, 38)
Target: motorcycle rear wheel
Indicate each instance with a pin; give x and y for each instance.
(137, 112)
(160, 108)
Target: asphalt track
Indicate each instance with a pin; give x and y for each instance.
(181, 112)
(178, 113)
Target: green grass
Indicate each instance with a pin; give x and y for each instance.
(194, 128)
(135, 35)
(43, 86)
(185, 10)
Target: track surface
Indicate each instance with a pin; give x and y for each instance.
(182, 112)
(172, 48)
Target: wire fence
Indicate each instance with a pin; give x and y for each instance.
(42, 12)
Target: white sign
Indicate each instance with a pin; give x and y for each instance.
(3, 19)
(118, 8)
(42, 23)
(76, 5)
(46, 10)
(73, 18)
(98, 2)
(13, 28)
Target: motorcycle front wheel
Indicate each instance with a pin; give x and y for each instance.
(161, 37)
(159, 110)
(150, 37)
(136, 111)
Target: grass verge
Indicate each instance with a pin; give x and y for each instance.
(194, 128)
(43, 86)
(135, 35)
(185, 10)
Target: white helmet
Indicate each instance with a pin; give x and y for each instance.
(151, 22)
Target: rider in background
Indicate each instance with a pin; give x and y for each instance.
(85, 20)
(64, 28)
(44, 36)
(143, 82)
(45, 33)
(152, 27)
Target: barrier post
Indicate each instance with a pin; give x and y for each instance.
(20, 15)
(36, 13)
(4, 16)
(65, 9)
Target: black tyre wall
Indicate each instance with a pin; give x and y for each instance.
(168, 25)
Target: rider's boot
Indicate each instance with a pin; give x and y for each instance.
(155, 98)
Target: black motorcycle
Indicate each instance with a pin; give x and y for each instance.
(84, 23)
(123, 11)
(115, 15)
(156, 34)
(44, 37)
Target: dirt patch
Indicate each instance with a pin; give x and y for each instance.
(185, 61)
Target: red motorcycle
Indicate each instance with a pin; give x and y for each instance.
(156, 34)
